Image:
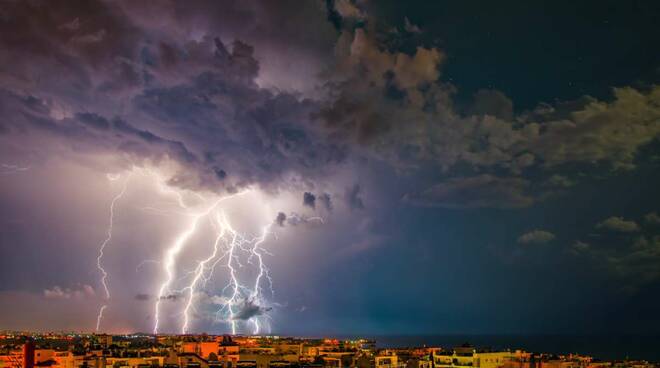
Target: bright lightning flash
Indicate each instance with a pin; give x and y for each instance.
(239, 294)
(229, 247)
(225, 252)
(99, 263)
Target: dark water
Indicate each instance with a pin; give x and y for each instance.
(605, 347)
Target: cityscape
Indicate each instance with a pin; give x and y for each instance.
(227, 351)
(329, 183)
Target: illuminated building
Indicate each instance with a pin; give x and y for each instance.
(467, 356)
(104, 340)
(202, 348)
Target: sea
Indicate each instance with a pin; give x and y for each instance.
(604, 347)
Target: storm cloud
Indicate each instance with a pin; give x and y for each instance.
(193, 101)
(122, 84)
(406, 158)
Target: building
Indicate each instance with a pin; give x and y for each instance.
(28, 353)
(468, 356)
(202, 348)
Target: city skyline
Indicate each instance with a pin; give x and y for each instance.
(329, 168)
(21, 350)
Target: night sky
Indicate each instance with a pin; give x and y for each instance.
(417, 167)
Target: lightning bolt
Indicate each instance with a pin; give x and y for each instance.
(100, 316)
(199, 274)
(233, 283)
(238, 291)
(229, 244)
(227, 250)
(169, 261)
(99, 264)
(263, 272)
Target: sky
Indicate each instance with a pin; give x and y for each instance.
(330, 167)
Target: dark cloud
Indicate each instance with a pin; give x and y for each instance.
(248, 309)
(92, 132)
(295, 219)
(353, 197)
(580, 247)
(629, 258)
(93, 120)
(652, 218)
(207, 100)
(409, 27)
(119, 82)
(171, 297)
(493, 103)
(280, 219)
(475, 192)
(426, 126)
(143, 297)
(292, 40)
(632, 263)
(309, 200)
(396, 105)
(326, 200)
(536, 237)
(560, 181)
(619, 224)
(333, 15)
(221, 174)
